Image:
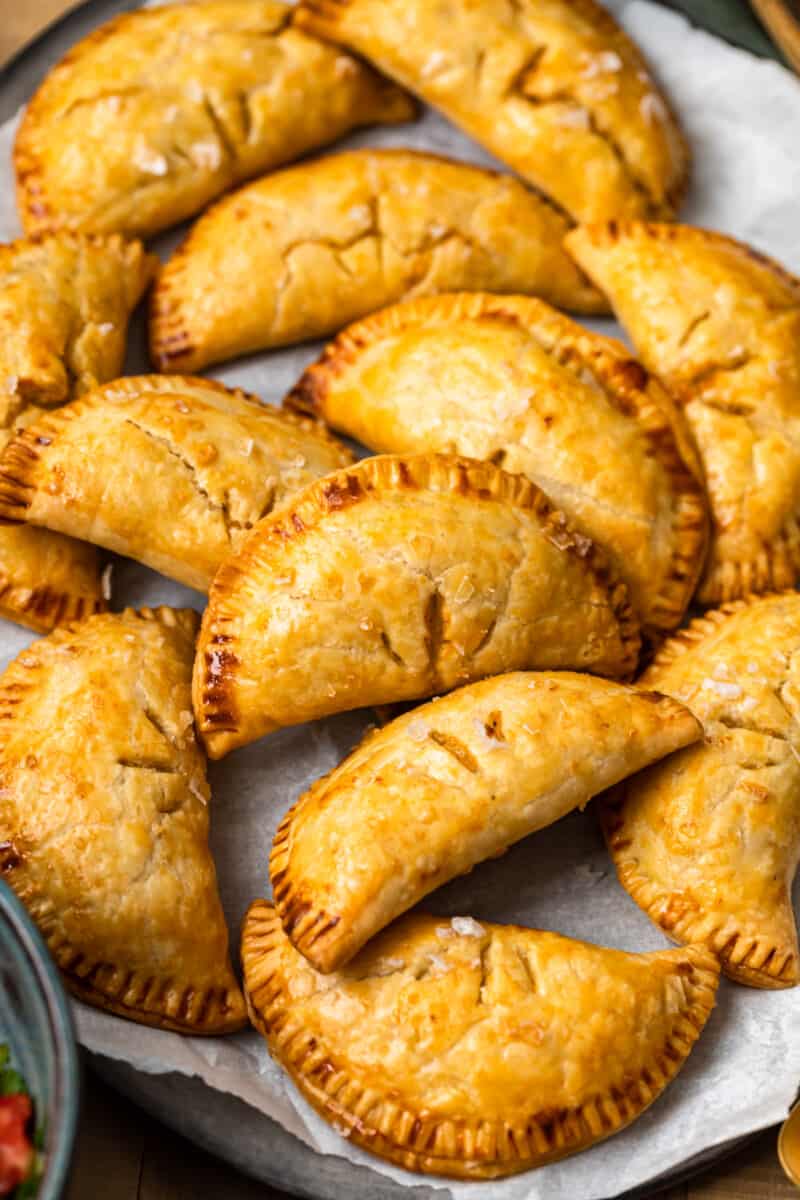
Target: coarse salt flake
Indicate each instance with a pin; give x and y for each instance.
(729, 691)
(417, 730)
(467, 927)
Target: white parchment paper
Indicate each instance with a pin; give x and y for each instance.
(743, 117)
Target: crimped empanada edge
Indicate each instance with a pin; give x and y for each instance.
(618, 375)
(217, 656)
(685, 921)
(42, 609)
(162, 1002)
(465, 1148)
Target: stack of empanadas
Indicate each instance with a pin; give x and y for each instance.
(540, 513)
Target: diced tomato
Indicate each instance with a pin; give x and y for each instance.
(16, 1151)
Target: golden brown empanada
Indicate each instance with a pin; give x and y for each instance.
(166, 469)
(160, 110)
(448, 785)
(65, 302)
(104, 819)
(708, 842)
(552, 87)
(510, 379)
(474, 1050)
(299, 254)
(395, 579)
(720, 324)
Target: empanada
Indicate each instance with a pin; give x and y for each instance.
(168, 470)
(396, 579)
(104, 819)
(474, 1050)
(65, 302)
(448, 785)
(552, 87)
(708, 842)
(720, 324)
(509, 379)
(160, 110)
(299, 254)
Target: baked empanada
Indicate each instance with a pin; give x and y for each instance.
(720, 324)
(474, 1050)
(396, 579)
(104, 819)
(160, 110)
(509, 379)
(168, 470)
(301, 253)
(65, 302)
(552, 87)
(448, 785)
(708, 842)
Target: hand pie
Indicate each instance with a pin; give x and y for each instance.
(448, 785)
(64, 308)
(555, 89)
(720, 325)
(708, 841)
(104, 819)
(509, 379)
(168, 470)
(396, 579)
(161, 110)
(475, 1050)
(300, 254)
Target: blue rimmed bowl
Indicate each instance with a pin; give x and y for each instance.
(36, 1022)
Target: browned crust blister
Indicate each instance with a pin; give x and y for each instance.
(626, 385)
(214, 702)
(162, 1002)
(460, 1147)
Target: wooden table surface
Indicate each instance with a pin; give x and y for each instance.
(123, 1154)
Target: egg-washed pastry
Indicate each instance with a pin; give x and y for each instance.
(301, 253)
(707, 842)
(460, 1048)
(552, 87)
(170, 470)
(720, 324)
(104, 819)
(399, 578)
(161, 110)
(65, 302)
(510, 379)
(449, 785)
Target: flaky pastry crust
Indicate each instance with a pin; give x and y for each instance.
(399, 578)
(161, 110)
(475, 1050)
(170, 470)
(707, 842)
(448, 785)
(507, 378)
(553, 87)
(104, 819)
(300, 253)
(65, 302)
(720, 325)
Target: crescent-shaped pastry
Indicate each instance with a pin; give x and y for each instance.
(396, 579)
(448, 785)
(510, 379)
(720, 324)
(708, 842)
(104, 819)
(301, 253)
(170, 470)
(65, 302)
(555, 89)
(474, 1050)
(161, 110)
